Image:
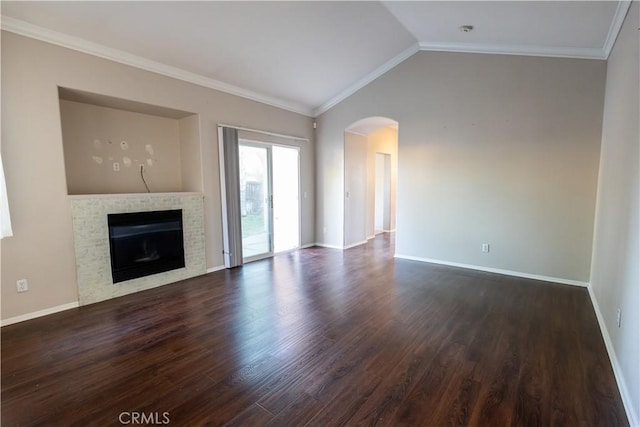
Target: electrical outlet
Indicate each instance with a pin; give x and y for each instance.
(619, 317)
(22, 285)
(116, 166)
(485, 247)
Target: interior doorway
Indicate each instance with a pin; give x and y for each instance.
(382, 204)
(370, 179)
(269, 199)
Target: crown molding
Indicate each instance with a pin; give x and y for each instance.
(75, 43)
(576, 53)
(367, 79)
(554, 52)
(616, 26)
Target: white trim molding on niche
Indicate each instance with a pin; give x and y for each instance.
(496, 270)
(617, 370)
(40, 313)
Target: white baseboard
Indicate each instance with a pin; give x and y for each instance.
(496, 270)
(353, 245)
(617, 370)
(371, 237)
(40, 313)
(324, 245)
(308, 245)
(212, 269)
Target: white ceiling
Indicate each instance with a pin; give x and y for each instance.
(307, 56)
(573, 27)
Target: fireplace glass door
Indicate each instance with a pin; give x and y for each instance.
(145, 243)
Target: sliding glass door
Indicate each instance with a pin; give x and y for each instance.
(255, 201)
(269, 199)
(286, 202)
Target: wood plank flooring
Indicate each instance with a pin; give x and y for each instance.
(318, 337)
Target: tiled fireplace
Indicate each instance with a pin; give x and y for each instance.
(91, 237)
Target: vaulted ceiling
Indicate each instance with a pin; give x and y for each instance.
(307, 56)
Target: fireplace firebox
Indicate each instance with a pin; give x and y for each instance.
(145, 243)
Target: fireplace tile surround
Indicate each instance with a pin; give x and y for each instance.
(91, 241)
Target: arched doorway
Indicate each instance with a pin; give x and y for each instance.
(370, 170)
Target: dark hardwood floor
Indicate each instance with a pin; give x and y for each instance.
(319, 337)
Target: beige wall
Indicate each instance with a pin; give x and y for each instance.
(190, 153)
(93, 139)
(42, 247)
(615, 271)
(355, 189)
(496, 149)
(384, 140)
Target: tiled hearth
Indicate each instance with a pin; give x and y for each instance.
(91, 236)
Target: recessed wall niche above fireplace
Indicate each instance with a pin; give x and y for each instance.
(119, 146)
(93, 251)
